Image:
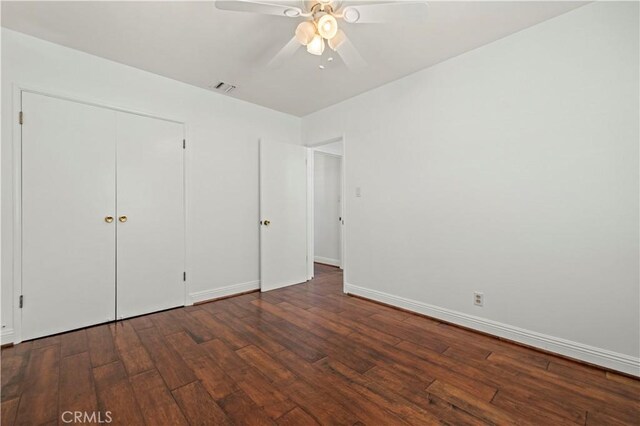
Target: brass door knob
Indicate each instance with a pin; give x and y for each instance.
(266, 222)
(122, 219)
(108, 219)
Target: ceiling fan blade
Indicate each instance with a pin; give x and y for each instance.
(350, 55)
(415, 11)
(285, 53)
(260, 7)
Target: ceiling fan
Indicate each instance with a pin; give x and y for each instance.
(321, 25)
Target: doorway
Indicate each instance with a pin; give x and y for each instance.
(288, 199)
(328, 203)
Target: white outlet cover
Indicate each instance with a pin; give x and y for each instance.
(478, 299)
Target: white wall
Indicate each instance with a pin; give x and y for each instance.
(511, 170)
(326, 194)
(222, 152)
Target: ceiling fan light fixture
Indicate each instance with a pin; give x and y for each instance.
(351, 15)
(305, 32)
(335, 42)
(292, 13)
(327, 26)
(316, 46)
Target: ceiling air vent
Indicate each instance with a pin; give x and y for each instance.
(221, 86)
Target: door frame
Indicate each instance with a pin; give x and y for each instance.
(310, 204)
(16, 108)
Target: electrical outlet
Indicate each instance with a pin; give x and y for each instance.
(478, 298)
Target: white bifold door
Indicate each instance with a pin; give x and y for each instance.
(102, 214)
(283, 212)
(150, 198)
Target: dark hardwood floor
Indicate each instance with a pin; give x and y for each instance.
(302, 355)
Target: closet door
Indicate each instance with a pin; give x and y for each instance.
(68, 192)
(150, 210)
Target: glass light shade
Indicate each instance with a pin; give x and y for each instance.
(337, 40)
(316, 46)
(305, 32)
(327, 26)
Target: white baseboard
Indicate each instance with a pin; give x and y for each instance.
(6, 336)
(327, 260)
(229, 290)
(603, 357)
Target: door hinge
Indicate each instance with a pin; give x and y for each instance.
(184, 144)
(21, 118)
(184, 276)
(21, 303)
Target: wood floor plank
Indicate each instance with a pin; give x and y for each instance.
(243, 411)
(12, 373)
(156, 402)
(268, 396)
(253, 335)
(611, 403)
(317, 336)
(223, 355)
(261, 361)
(198, 406)
(115, 395)
(524, 409)
(39, 399)
(164, 323)
(285, 334)
(470, 403)
(132, 353)
(356, 326)
(73, 343)
(304, 354)
(192, 325)
(297, 417)
(169, 363)
(220, 330)
(379, 394)
(406, 332)
(101, 347)
(77, 389)
(413, 389)
(363, 408)
(141, 322)
(9, 409)
(46, 341)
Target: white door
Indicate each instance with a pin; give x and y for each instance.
(68, 189)
(283, 215)
(150, 215)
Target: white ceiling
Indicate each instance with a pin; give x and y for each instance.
(198, 44)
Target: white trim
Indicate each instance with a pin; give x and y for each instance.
(92, 102)
(325, 142)
(6, 336)
(311, 214)
(329, 154)
(343, 230)
(327, 261)
(580, 351)
(216, 293)
(282, 284)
